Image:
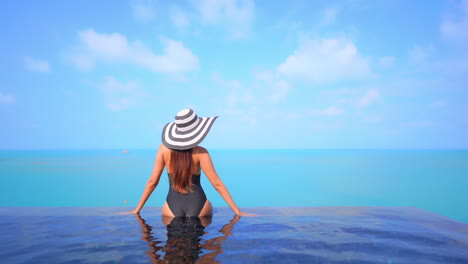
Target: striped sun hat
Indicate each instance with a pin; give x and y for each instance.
(187, 130)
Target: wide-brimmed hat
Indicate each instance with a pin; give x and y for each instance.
(187, 130)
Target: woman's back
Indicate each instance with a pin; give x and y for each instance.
(196, 152)
(187, 199)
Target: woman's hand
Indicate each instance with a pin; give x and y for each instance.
(132, 212)
(246, 214)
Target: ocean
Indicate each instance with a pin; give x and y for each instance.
(433, 180)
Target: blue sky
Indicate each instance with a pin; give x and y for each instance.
(306, 74)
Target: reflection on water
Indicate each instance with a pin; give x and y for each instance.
(184, 243)
(42, 235)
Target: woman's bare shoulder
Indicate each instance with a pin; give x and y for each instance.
(163, 148)
(164, 151)
(199, 150)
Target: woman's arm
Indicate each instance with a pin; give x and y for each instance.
(153, 180)
(207, 166)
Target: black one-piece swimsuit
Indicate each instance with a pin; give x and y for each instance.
(186, 204)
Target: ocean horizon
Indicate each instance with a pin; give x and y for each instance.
(432, 180)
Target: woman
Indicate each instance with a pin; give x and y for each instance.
(184, 160)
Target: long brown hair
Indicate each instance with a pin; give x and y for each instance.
(181, 165)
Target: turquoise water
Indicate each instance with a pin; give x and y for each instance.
(364, 235)
(433, 180)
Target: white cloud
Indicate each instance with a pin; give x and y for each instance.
(329, 111)
(6, 98)
(239, 101)
(386, 62)
(120, 95)
(176, 58)
(237, 15)
(456, 28)
(278, 87)
(143, 10)
(115, 48)
(108, 46)
(226, 84)
(325, 60)
(368, 98)
(36, 65)
(179, 17)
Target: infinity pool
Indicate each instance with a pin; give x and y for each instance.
(278, 235)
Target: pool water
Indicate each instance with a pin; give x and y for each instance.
(278, 235)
